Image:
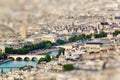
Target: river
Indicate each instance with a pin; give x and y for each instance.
(21, 63)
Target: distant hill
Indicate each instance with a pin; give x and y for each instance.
(7, 5)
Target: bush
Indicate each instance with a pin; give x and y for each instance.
(68, 67)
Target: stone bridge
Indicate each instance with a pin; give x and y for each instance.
(25, 57)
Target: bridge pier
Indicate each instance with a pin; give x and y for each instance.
(10, 68)
(2, 70)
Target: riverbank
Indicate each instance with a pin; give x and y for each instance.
(4, 61)
(42, 52)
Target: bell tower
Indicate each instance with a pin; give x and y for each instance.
(23, 31)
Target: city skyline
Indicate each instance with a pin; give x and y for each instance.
(63, 39)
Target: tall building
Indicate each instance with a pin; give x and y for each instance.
(23, 31)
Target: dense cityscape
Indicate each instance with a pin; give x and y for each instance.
(59, 39)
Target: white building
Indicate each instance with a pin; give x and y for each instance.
(49, 37)
(2, 48)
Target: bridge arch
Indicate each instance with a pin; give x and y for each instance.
(23, 57)
(34, 59)
(19, 59)
(26, 59)
(11, 58)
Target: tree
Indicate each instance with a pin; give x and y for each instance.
(68, 67)
(41, 60)
(5, 55)
(61, 50)
(103, 34)
(80, 37)
(60, 42)
(96, 35)
(1, 57)
(100, 35)
(48, 58)
(72, 39)
(116, 33)
(48, 45)
(88, 37)
(27, 48)
(9, 50)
